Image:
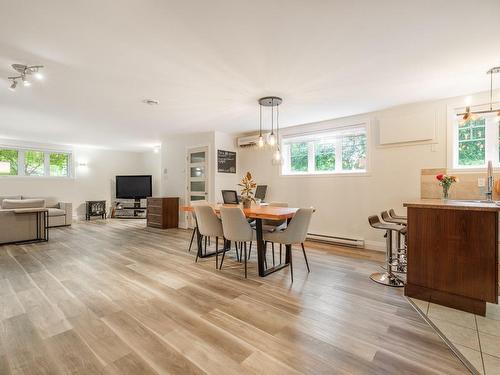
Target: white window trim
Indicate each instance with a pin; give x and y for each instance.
(329, 127)
(452, 140)
(47, 151)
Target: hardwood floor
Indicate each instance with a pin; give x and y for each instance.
(115, 297)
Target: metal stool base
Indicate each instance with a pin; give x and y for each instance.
(387, 279)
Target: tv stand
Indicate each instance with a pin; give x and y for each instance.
(129, 210)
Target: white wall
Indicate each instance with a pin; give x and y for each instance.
(173, 166)
(225, 181)
(95, 181)
(344, 203)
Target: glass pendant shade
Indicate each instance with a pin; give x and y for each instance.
(272, 139)
(277, 155)
(260, 142)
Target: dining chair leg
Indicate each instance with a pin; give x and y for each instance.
(216, 252)
(199, 251)
(281, 246)
(237, 254)
(206, 240)
(250, 250)
(245, 246)
(192, 238)
(289, 253)
(305, 257)
(222, 260)
(272, 246)
(241, 250)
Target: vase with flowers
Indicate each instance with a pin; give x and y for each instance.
(446, 181)
(247, 186)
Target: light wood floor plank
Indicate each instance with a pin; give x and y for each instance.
(115, 297)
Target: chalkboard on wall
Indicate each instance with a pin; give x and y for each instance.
(226, 161)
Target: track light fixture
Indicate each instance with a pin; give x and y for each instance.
(470, 115)
(25, 72)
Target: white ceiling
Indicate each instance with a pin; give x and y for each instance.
(208, 62)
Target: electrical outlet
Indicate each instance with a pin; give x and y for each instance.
(481, 182)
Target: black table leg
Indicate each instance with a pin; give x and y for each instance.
(260, 247)
(261, 254)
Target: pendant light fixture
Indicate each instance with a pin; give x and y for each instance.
(469, 115)
(25, 73)
(273, 138)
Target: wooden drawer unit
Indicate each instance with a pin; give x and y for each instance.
(163, 212)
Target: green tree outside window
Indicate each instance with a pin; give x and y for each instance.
(354, 152)
(324, 156)
(34, 163)
(8, 162)
(472, 143)
(59, 164)
(299, 157)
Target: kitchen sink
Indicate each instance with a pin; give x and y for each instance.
(474, 201)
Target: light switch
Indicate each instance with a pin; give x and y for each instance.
(481, 182)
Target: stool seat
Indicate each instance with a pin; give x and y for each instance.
(387, 218)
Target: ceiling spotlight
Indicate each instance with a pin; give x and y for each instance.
(26, 83)
(38, 76)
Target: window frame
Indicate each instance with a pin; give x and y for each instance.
(339, 172)
(492, 143)
(21, 173)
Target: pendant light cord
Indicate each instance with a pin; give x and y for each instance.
(260, 127)
(491, 90)
(278, 125)
(272, 116)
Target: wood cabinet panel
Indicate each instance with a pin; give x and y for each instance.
(163, 212)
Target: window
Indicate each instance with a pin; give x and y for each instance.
(59, 164)
(19, 162)
(476, 141)
(8, 162)
(341, 150)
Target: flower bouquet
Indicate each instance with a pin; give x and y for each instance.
(446, 182)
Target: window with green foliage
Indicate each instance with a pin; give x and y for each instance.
(477, 142)
(59, 164)
(9, 160)
(20, 162)
(341, 150)
(34, 163)
(324, 156)
(299, 156)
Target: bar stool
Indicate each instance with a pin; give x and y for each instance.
(400, 261)
(388, 277)
(393, 214)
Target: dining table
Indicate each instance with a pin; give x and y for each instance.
(258, 213)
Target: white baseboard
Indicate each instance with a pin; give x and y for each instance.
(375, 245)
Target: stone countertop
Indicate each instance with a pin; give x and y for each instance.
(451, 204)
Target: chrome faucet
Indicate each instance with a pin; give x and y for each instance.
(489, 191)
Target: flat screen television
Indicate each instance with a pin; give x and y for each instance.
(133, 187)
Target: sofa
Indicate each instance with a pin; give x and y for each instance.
(60, 213)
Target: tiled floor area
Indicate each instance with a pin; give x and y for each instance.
(476, 337)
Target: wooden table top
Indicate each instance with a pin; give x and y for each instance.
(29, 210)
(256, 212)
(451, 204)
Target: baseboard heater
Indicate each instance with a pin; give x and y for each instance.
(344, 241)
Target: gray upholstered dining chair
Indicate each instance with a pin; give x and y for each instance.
(236, 228)
(193, 217)
(209, 225)
(273, 225)
(295, 233)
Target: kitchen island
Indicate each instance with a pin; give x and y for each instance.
(453, 253)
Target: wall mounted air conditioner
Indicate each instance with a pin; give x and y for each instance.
(251, 140)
